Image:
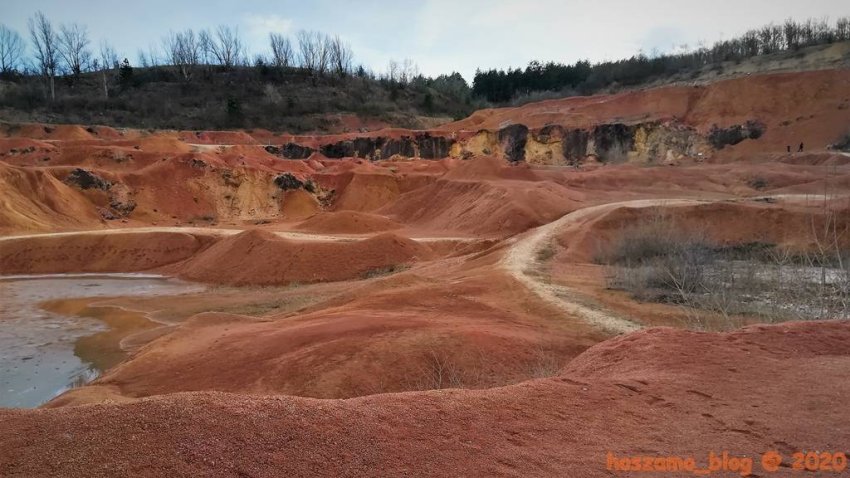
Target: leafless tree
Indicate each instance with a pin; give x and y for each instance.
(403, 72)
(313, 51)
(153, 55)
(143, 58)
(282, 53)
(393, 69)
(341, 56)
(409, 71)
(205, 43)
(11, 49)
(108, 62)
(74, 47)
(842, 29)
(46, 44)
(792, 34)
(183, 52)
(227, 47)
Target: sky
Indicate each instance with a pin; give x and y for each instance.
(441, 36)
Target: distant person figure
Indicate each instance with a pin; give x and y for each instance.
(788, 148)
(801, 148)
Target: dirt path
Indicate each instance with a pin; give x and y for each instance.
(212, 231)
(521, 262)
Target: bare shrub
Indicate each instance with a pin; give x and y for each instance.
(719, 285)
(439, 371)
(545, 363)
(654, 258)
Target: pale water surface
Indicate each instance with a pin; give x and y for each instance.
(37, 360)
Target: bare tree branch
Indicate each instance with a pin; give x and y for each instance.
(183, 51)
(11, 49)
(227, 47)
(282, 53)
(108, 61)
(46, 44)
(313, 50)
(73, 47)
(341, 56)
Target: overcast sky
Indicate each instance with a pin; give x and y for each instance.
(441, 36)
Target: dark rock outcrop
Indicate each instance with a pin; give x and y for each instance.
(291, 151)
(87, 180)
(613, 141)
(287, 181)
(433, 147)
(423, 145)
(574, 145)
(722, 137)
(513, 139)
(357, 147)
(841, 145)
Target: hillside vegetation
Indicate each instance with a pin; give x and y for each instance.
(206, 79)
(288, 99)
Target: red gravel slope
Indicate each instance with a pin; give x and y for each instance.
(659, 391)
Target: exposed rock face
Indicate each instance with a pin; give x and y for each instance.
(287, 181)
(722, 137)
(87, 180)
(433, 147)
(291, 151)
(651, 141)
(120, 196)
(613, 142)
(841, 145)
(513, 139)
(121, 200)
(421, 145)
(357, 147)
(655, 142)
(574, 145)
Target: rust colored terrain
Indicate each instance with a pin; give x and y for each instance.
(431, 303)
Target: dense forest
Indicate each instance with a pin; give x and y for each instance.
(582, 77)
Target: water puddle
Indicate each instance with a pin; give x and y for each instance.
(46, 351)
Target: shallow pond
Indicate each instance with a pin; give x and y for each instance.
(44, 353)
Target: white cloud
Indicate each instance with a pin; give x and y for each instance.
(258, 27)
(265, 24)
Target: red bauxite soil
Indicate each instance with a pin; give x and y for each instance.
(445, 317)
(257, 257)
(655, 392)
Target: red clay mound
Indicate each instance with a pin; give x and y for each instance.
(489, 208)
(162, 143)
(361, 342)
(62, 132)
(348, 222)
(660, 392)
(18, 146)
(33, 199)
(257, 257)
(794, 227)
(299, 204)
(490, 167)
(217, 137)
(367, 192)
(118, 252)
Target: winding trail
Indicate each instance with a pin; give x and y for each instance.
(520, 261)
(213, 231)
